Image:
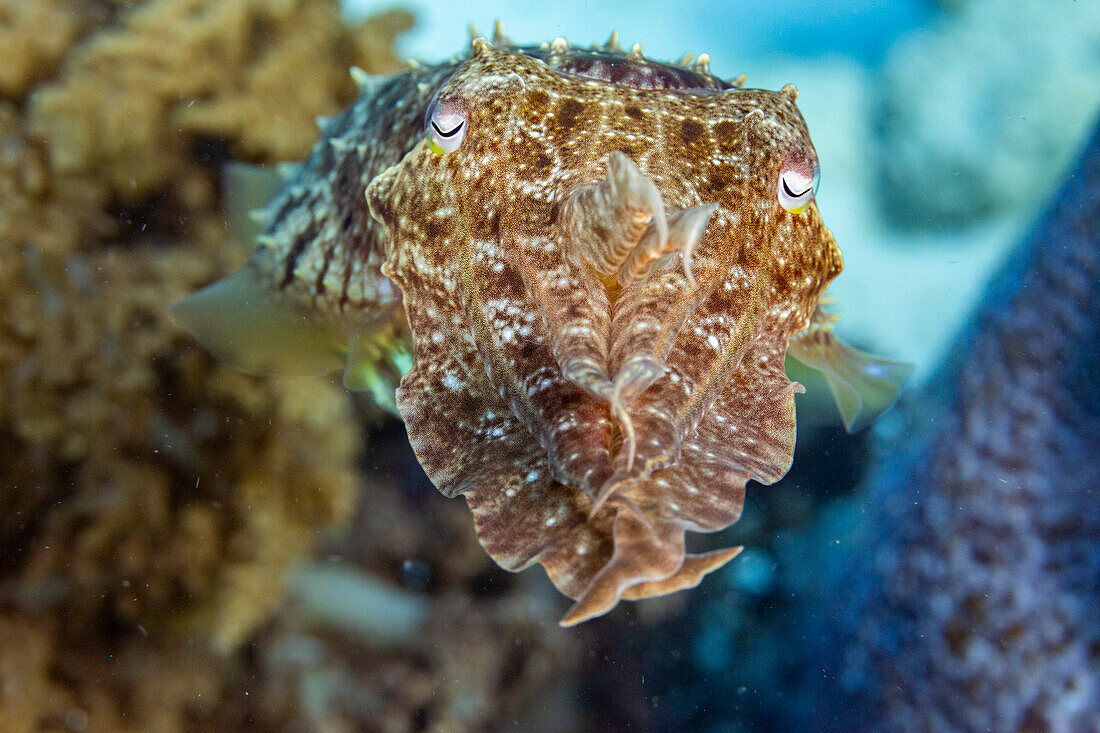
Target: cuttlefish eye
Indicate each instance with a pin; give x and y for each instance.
(445, 124)
(796, 186)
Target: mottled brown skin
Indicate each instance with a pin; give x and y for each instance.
(589, 399)
(320, 246)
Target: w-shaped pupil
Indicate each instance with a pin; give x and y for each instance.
(787, 190)
(448, 133)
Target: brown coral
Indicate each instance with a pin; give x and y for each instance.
(148, 490)
(229, 70)
(34, 36)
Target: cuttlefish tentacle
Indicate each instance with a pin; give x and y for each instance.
(648, 316)
(685, 229)
(647, 561)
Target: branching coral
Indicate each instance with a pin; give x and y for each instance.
(35, 35)
(149, 491)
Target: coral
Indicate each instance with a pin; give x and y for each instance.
(154, 499)
(141, 683)
(229, 70)
(983, 575)
(33, 38)
(981, 111)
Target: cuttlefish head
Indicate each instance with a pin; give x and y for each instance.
(595, 170)
(513, 137)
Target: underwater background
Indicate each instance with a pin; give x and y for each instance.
(185, 547)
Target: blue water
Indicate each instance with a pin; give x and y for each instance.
(731, 32)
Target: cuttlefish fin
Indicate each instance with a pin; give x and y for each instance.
(258, 330)
(863, 385)
(248, 189)
(254, 327)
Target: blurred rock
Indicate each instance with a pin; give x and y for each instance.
(982, 110)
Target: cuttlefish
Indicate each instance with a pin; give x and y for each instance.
(598, 263)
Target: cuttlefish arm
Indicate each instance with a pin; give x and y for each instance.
(749, 433)
(510, 329)
(619, 230)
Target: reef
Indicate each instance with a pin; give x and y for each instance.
(155, 500)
